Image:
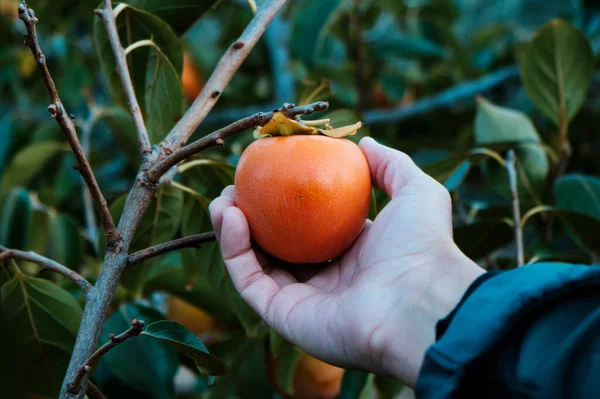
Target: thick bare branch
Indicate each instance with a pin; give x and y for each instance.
(224, 71)
(58, 112)
(137, 326)
(47, 264)
(512, 181)
(108, 18)
(218, 137)
(185, 242)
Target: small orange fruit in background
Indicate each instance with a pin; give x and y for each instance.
(306, 197)
(314, 379)
(191, 81)
(191, 317)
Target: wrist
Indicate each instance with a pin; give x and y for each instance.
(438, 289)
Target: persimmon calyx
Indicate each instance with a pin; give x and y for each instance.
(281, 125)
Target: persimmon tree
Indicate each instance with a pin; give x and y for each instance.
(103, 210)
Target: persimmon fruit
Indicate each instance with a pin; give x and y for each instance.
(191, 81)
(314, 379)
(306, 197)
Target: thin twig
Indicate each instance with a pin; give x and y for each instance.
(450, 97)
(137, 326)
(186, 242)
(47, 264)
(218, 137)
(512, 182)
(58, 112)
(93, 392)
(108, 18)
(228, 65)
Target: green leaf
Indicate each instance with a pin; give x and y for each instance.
(578, 193)
(28, 162)
(387, 387)
(180, 14)
(496, 125)
(42, 320)
(207, 261)
(356, 385)
(286, 366)
(148, 74)
(16, 220)
(479, 239)
(8, 136)
(578, 200)
(186, 342)
(159, 224)
(557, 69)
(312, 20)
(123, 129)
(146, 364)
(164, 97)
(66, 243)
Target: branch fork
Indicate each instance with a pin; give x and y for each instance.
(137, 326)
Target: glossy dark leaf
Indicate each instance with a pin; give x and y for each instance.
(286, 367)
(356, 385)
(311, 21)
(479, 239)
(180, 14)
(66, 243)
(186, 342)
(387, 387)
(155, 69)
(580, 193)
(28, 162)
(16, 220)
(145, 364)
(42, 320)
(557, 69)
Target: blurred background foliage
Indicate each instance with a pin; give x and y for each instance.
(454, 83)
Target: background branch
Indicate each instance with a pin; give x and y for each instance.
(46, 264)
(218, 137)
(108, 18)
(185, 242)
(224, 71)
(137, 326)
(58, 112)
(447, 98)
(93, 392)
(512, 181)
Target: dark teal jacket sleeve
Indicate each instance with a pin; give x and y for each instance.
(532, 332)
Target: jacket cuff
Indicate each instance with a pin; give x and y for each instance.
(487, 313)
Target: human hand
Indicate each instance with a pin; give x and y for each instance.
(374, 308)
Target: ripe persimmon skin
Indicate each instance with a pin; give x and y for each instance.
(306, 197)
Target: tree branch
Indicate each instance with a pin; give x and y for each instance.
(512, 182)
(47, 264)
(228, 65)
(93, 392)
(108, 18)
(185, 242)
(137, 326)
(218, 137)
(57, 110)
(447, 98)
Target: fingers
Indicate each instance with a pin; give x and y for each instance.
(256, 287)
(390, 169)
(217, 207)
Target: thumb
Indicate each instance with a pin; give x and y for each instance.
(390, 169)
